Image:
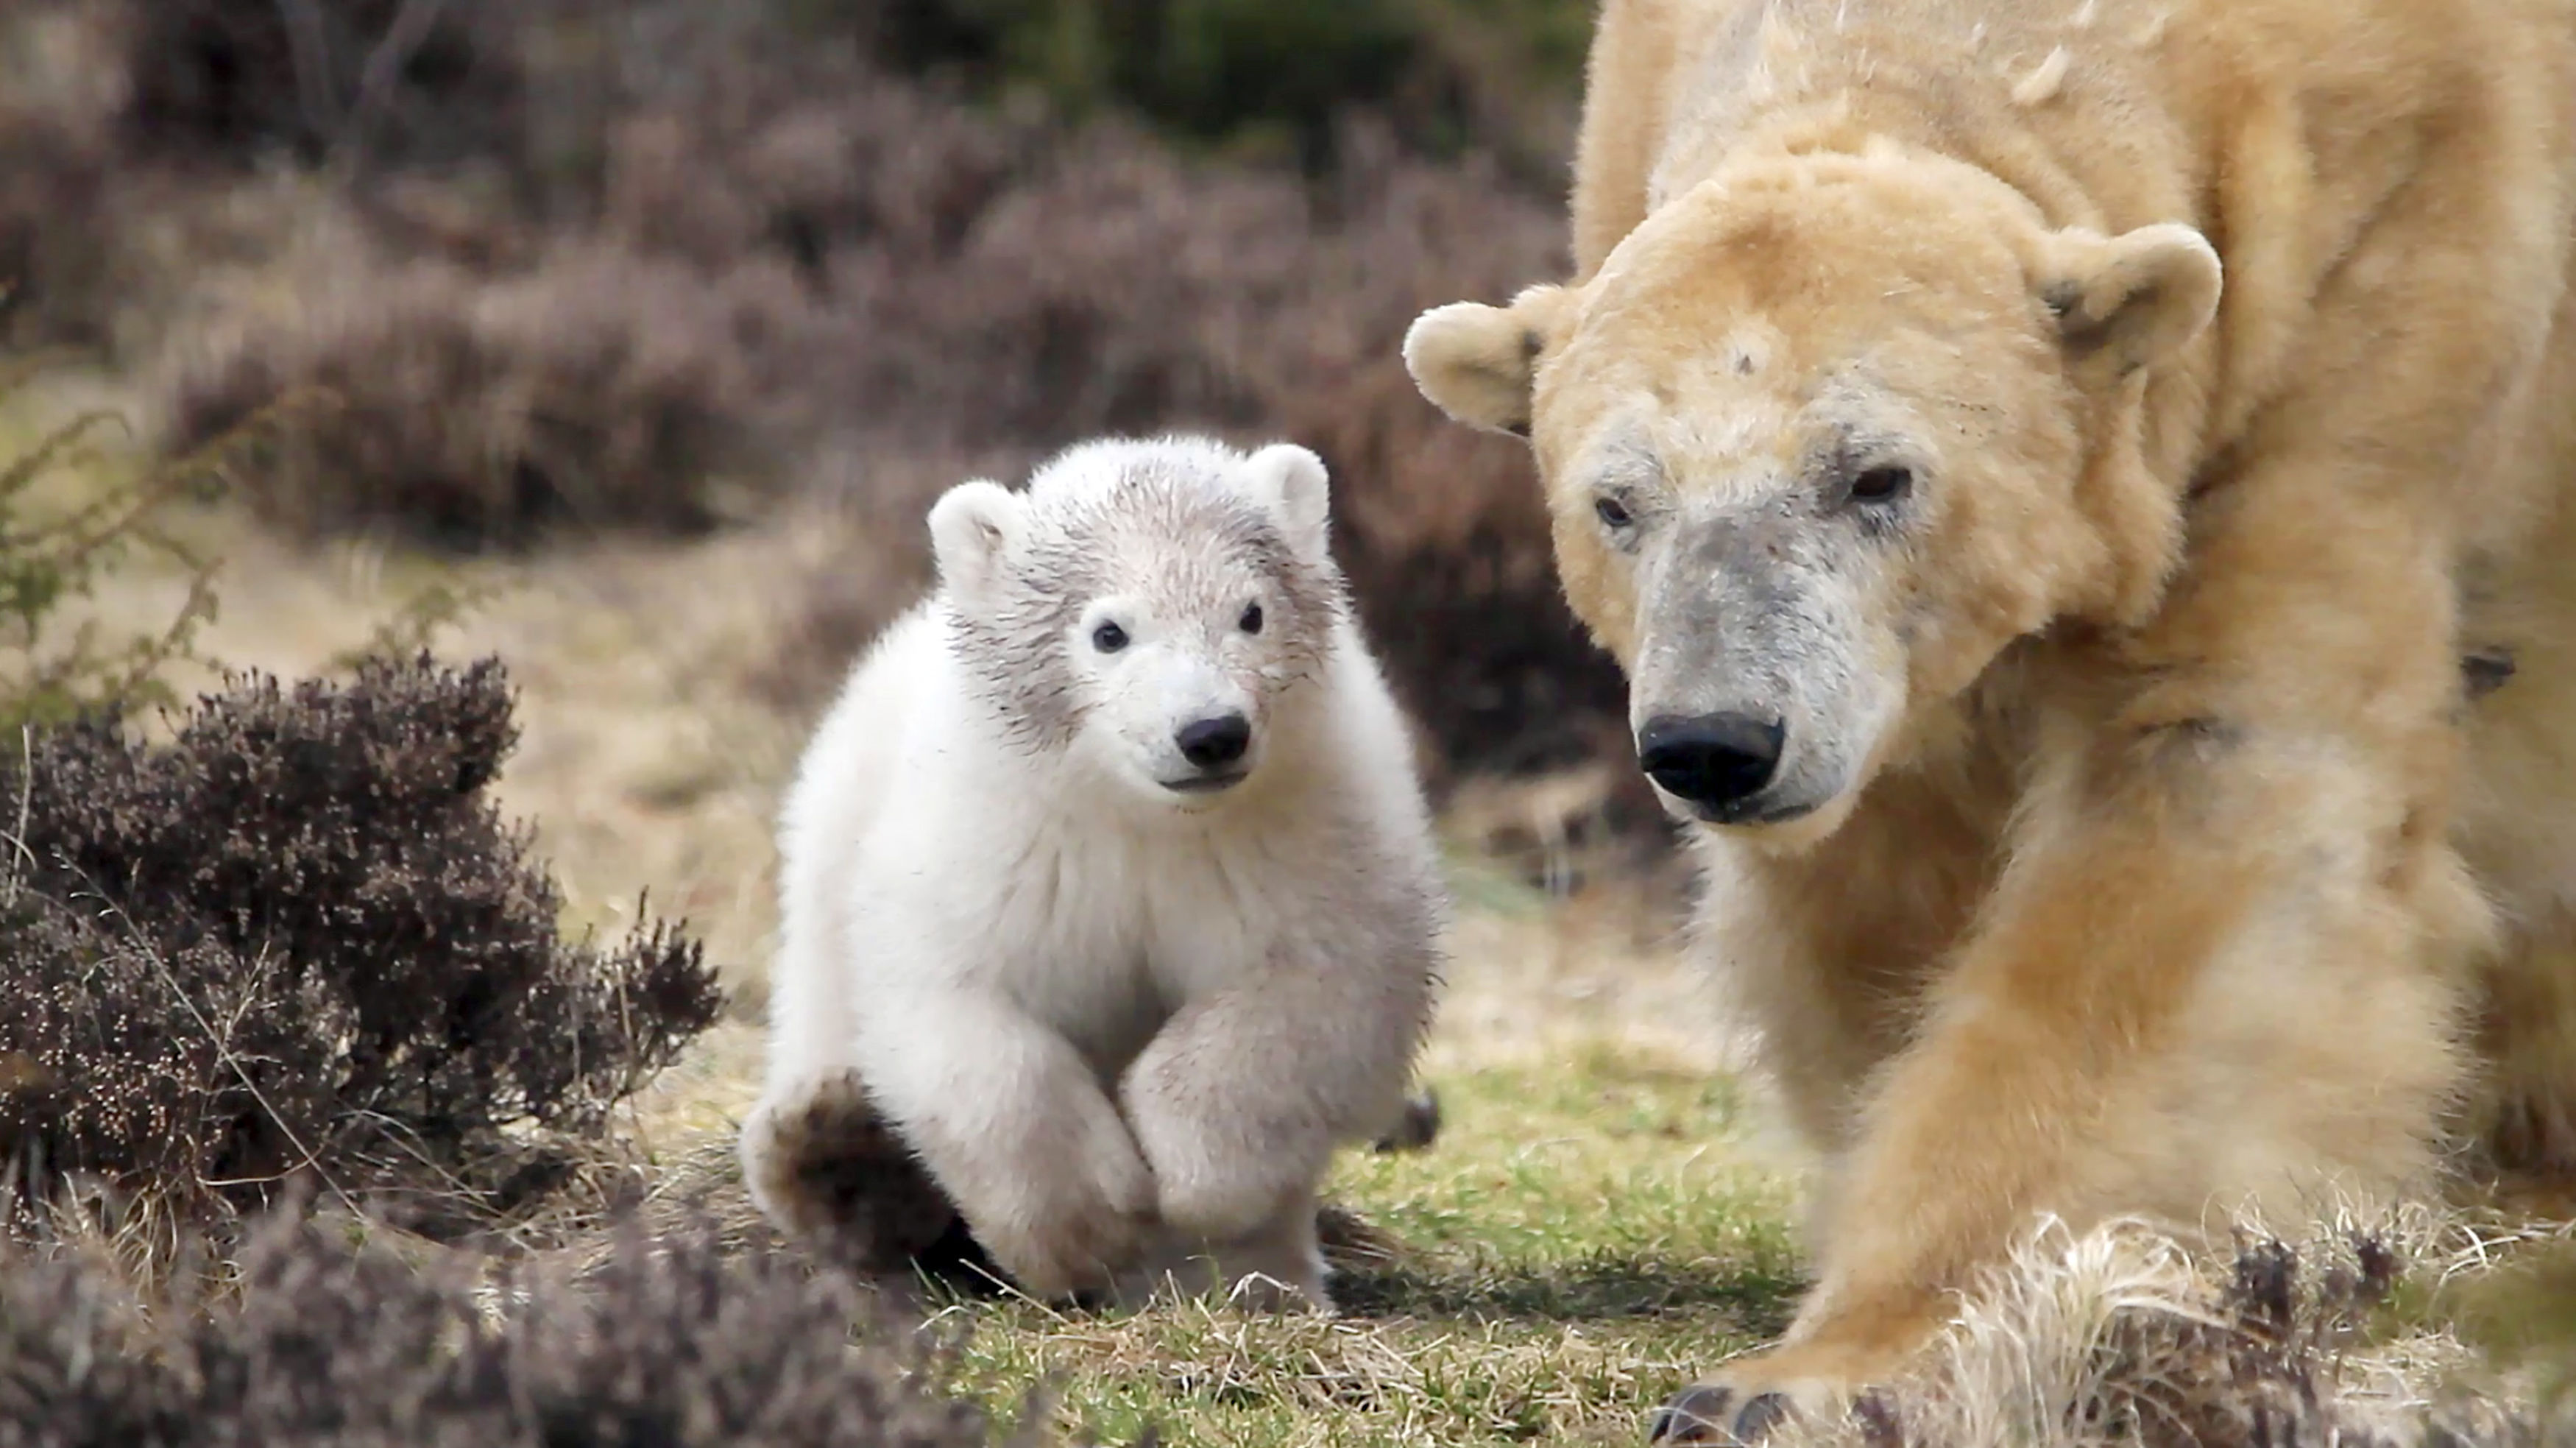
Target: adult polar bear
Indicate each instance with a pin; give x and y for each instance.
(2041, 464)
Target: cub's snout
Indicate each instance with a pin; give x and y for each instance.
(1214, 746)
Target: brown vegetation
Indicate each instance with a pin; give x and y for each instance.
(296, 943)
(604, 390)
(618, 268)
(674, 1343)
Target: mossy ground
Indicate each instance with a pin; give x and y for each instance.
(1577, 1243)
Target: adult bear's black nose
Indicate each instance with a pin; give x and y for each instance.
(1714, 761)
(1214, 743)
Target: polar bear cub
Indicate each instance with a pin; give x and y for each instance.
(1109, 878)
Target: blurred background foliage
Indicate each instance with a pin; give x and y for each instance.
(1252, 75)
(559, 269)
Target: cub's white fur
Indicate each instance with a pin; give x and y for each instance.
(1122, 1002)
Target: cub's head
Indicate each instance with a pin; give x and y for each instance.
(1147, 605)
(1820, 439)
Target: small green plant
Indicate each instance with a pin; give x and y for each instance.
(2524, 1316)
(414, 627)
(55, 555)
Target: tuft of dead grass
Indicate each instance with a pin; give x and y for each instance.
(2342, 1333)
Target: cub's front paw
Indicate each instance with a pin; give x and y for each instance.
(1746, 1399)
(1415, 1127)
(1217, 1175)
(1276, 1270)
(1068, 1247)
(1071, 1210)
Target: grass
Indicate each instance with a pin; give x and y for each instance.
(1577, 1243)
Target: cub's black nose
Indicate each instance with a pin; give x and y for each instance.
(1215, 743)
(1715, 761)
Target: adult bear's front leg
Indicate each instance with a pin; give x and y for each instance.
(2219, 965)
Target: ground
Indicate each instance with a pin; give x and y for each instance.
(1605, 1214)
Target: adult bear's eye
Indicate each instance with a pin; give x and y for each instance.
(1880, 486)
(1612, 511)
(1109, 638)
(1252, 618)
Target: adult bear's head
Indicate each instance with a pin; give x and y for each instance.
(1821, 438)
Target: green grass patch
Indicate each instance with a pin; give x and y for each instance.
(1579, 1242)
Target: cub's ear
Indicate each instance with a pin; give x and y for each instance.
(2128, 301)
(1291, 483)
(1476, 362)
(969, 527)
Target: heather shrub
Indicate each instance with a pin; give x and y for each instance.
(667, 1343)
(861, 558)
(713, 257)
(296, 942)
(1254, 75)
(232, 78)
(598, 391)
(804, 159)
(850, 287)
(53, 195)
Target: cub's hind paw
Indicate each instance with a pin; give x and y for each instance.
(826, 1168)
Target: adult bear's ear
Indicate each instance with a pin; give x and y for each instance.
(1476, 362)
(2128, 301)
(970, 525)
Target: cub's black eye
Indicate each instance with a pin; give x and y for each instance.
(1109, 638)
(1612, 511)
(1882, 485)
(1252, 618)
